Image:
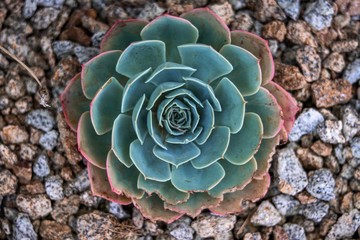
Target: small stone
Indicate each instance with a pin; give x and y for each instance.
(44, 17)
(286, 204)
(41, 167)
(7, 157)
(315, 211)
(266, 215)
(290, 7)
(27, 152)
(224, 11)
(81, 182)
(117, 210)
(63, 48)
(327, 93)
(319, 14)
(23, 228)
(53, 230)
(93, 25)
(300, 33)
(309, 160)
(8, 183)
(24, 104)
(321, 148)
(321, 184)
(346, 226)
(330, 131)
(352, 72)
(355, 147)
(88, 199)
(23, 172)
(275, 30)
(294, 231)
(64, 208)
(35, 187)
(36, 206)
(310, 63)
(347, 203)
(344, 45)
(137, 218)
(351, 122)
(77, 35)
(53, 187)
(49, 140)
(113, 13)
(29, 9)
(97, 38)
(181, 230)
(335, 62)
(42, 119)
(305, 123)
(356, 200)
(15, 88)
(268, 9)
(347, 172)
(350, 7)
(252, 236)
(14, 134)
(291, 176)
(206, 225)
(289, 77)
(84, 54)
(242, 21)
(151, 11)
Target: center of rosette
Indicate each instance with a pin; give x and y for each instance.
(177, 118)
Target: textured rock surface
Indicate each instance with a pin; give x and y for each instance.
(266, 215)
(321, 184)
(305, 123)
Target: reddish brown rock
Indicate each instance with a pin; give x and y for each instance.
(76, 34)
(309, 160)
(268, 9)
(275, 30)
(289, 77)
(327, 93)
(300, 33)
(321, 149)
(344, 45)
(14, 134)
(23, 171)
(55, 231)
(335, 62)
(351, 7)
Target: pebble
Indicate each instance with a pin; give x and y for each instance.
(291, 176)
(224, 11)
(89, 200)
(345, 227)
(63, 48)
(97, 38)
(327, 93)
(350, 7)
(319, 14)
(137, 218)
(351, 122)
(242, 21)
(42, 119)
(44, 17)
(49, 140)
(252, 236)
(23, 172)
(330, 131)
(315, 211)
(321, 184)
(54, 188)
(56, 231)
(305, 123)
(289, 77)
(309, 160)
(335, 62)
(15, 88)
(8, 183)
(93, 25)
(352, 72)
(300, 33)
(207, 225)
(290, 7)
(344, 45)
(117, 210)
(80, 183)
(266, 215)
(27, 152)
(35, 187)
(41, 166)
(287, 205)
(64, 208)
(7, 157)
(23, 228)
(14, 134)
(84, 54)
(181, 230)
(29, 9)
(309, 62)
(150, 11)
(355, 147)
(274, 30)
(36, 206)
(294, 231)
(266, 10)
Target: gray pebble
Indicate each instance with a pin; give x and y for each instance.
(287, 205)
(49, 140)
(355, 147)
(42, 119)
(79, 184)
(151, 11)
(97, 38)
(63, 48)
(346, 226)
(23, 228)
(117, 210)
(51, 3)
(89, 200)
(266, 215)
(305, 123)
(181, 230)
(44, 17)
(331, 132)
(351, 122)
(84, 54)
(290, 7)
(321, 184)
(319, 14)
(294, 231)
(41, 166)
(54, 188)
(207, 225)
(315, 211)
(29, 9)
(352, 72)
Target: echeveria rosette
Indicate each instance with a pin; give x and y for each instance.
(179, 115)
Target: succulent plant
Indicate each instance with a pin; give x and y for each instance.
(179, 115)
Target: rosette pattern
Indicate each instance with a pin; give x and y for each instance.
(179, 115)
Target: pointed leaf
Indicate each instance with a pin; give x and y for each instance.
(185, 93)
(233, 106)
(106, 106)
(207, 121)
(209, 63)
(73, 102)
(148, 164)
(123, 135)
(264, 155)
(100, 186)
(96, 72)
(154, 130)
(244, 144)
(214, 148)
(260, 48)
(140, 56)
(265, 105)
(246, 75)
(173, 31)
(165, 190)
(185, 138)
(170, 72)
(121, 34)
(139, 116)
(188, 178)
(92, 146)
(177, 154)
(160, 90)
(212, 30)
(195, 117)
(123, 180)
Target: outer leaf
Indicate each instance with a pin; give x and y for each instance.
(121, 34)
(92, 146)
(170, 72)
(264, 156)
(259, 47)
(73, 102)
(173, 31)
(106, 106)
(96, 72)
(100, 185)
(212, 30)
(138, 119)
(233, 106)
(177, 154)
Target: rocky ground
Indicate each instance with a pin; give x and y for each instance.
(44, 187)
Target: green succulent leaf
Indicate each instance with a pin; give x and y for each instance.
(244, 144)
(140, 56)
(209, 63)
(165, 29)
(160, 90)
(154, 130)
(177, 154)
(212, 30)
(206, 122)
(187, 178)
(170, 72)
(246, 75)
(165, 190)
(213, 149)
(123, 180)
(195, 117)
(106, 106)
(184, 138)
(89, 142)
(123, 135)
(233, 106)
(138, 115)
(148, 164)
(122, 34)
